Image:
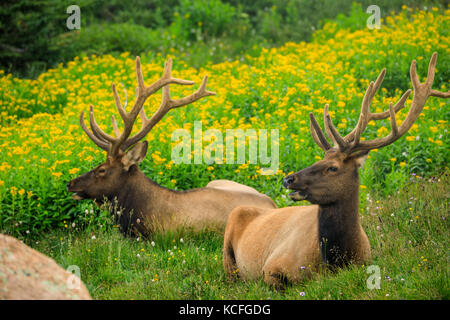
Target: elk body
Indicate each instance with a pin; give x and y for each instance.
(289, 244)
(139, 204)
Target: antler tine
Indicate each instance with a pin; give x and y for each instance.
(365, 108)
(327, 128)
(115, 127)
(393, 121)
(439, 94)
(366, 115)
(101, 139)
(121, 109)
(99, 142)
(430, 79)
(317, 133)
(96, 129)
(431, 71)
(343, 145)
(198, 94)
(166, 105)
(164, 80)
(421, 93)
(397, 107)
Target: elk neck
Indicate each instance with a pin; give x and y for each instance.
(138, 198)
(339, 229)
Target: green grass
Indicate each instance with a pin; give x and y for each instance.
(408, 233)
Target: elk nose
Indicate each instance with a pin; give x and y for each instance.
(68, 185)
(288, 181)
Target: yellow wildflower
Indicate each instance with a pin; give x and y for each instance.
(13, 191)
(57, 174)
(74, 170)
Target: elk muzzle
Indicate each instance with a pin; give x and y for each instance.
(293, 182)
(78, 193)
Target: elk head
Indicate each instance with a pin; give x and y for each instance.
(107, 179)
(336, 176)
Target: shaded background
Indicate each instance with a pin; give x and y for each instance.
(34, 36)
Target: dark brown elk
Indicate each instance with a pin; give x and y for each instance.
(289, 244)
(139, 204)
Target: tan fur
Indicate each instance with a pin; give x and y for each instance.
(281, 244)
(207, 207)
(271, 242)
(231, 185)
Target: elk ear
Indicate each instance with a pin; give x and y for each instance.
(359, 158)
(135, 155)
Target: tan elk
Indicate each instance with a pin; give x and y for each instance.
(140, 204)
(288, 244)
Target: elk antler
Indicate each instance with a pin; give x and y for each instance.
(351, 143)
(122, 141)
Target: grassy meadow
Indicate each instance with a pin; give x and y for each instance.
(404, 187)
(408, 234)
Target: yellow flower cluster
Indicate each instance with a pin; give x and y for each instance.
(277, 89)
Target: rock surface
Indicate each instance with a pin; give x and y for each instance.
(28, 274)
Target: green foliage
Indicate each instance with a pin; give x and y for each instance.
(111, 39)
(35, 38)
(199, 20)
(150, 14)
(27, 28)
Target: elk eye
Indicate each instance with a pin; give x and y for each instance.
(102, 170)
(333, 169)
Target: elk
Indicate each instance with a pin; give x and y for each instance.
(140, 204)
(288, 244)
